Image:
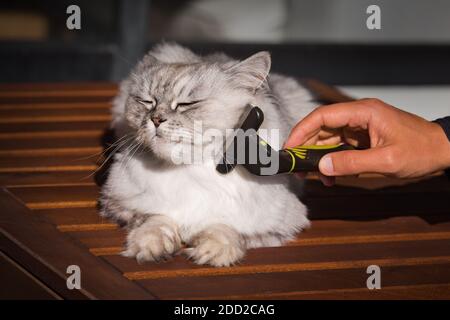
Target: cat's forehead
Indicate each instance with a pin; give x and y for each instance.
(178, 79)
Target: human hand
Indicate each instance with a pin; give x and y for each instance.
(400, 144)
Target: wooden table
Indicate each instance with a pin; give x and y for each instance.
(50, 138)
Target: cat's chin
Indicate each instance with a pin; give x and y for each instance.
(179, 153)
(161, 149)
(165, 151)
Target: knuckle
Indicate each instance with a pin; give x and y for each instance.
(373, 103)
(352, 163)
(376, 107)
(322, 110)
(319, 107)
(391, 162)
(346, 164)
(317, 113)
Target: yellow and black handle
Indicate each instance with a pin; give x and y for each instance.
(306, 158)
(289, 160)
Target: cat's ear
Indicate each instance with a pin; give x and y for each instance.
(149, 60)
(252, 72)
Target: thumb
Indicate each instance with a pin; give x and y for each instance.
(352, 162)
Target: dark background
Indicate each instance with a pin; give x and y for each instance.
(36, 46)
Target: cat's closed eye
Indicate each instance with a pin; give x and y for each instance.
(184, 106)
(148, 103)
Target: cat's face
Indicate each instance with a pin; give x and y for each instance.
(169, 103)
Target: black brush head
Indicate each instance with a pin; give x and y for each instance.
(251, 120)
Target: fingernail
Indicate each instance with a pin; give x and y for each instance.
(326, 165)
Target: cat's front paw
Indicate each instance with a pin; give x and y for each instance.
(154, 240)
(219, 246)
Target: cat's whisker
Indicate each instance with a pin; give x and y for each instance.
(118, 146)
(115, 143)
(125, 155)
(136, 150)
(116, 149)
(102, 153)
(128, 157)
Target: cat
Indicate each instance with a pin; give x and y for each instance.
(167, 207)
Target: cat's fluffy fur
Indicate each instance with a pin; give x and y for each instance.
(166, 205)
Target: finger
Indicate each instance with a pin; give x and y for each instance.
(327, 132)
(357, 138)
(329, 141)
(312, 141)
(336, 115)
(325, 136)
(344, 163)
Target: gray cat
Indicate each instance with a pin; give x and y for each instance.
(168, 204)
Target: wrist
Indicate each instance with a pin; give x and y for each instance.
(442, 143)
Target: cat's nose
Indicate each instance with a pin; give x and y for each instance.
(157, 120)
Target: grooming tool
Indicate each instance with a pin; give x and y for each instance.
(258, 157)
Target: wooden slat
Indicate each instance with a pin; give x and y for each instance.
(321, 281)
(424, 291)
(66, 87)
(49, 194)
(61, 204)
(57, 106)
(19, 284)
(37, 162)
(373, 238)
(58, 166)
(52, 126)
(87, 227)
(5, 115)
(44, 119)
(32, 93)
(291, 267)
(52, 134)
(300, 242)
(75, 151)
(40, 247)
(58, 197)
(70, 97)
(108, 93)
(62, 168)
(290, 259)
(77, 216)
(50, 143)
(101, 241)
(323, 232)
(48, 178)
